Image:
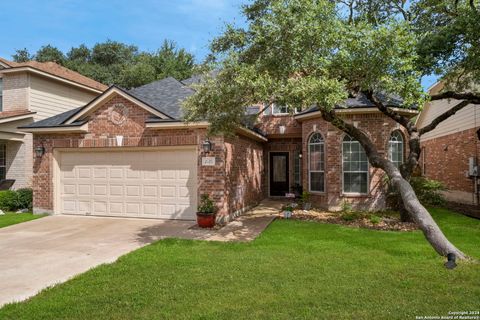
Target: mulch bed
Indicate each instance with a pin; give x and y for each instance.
(360, 220)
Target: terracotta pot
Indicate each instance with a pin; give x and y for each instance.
(205, 220)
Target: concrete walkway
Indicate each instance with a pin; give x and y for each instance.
(51, 250)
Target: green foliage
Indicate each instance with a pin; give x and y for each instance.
(11, 200)
(375, 219)
(8, 200)
(22, 55)
(427, 190)
(305, 197)
(350, 216)
(206, 206)
(302, 53)
(24, 198)
(50, 53)
(113, 62)
(346, 207)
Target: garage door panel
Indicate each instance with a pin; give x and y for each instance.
(100, 173)
(150, 191)
(116, 208)
(159, 184)
(100, 189)
(84, 173)
(116, 173)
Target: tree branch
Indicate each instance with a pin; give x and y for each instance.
(404, 121)
(444, 116)
(471, 97)
(374, 157)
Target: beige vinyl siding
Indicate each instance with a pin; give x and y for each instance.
(49, 98)
(465, 119)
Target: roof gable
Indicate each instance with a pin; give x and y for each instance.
(98, 102)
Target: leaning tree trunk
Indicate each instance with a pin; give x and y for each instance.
(422, 217)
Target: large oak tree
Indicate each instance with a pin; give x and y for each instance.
(302, 53)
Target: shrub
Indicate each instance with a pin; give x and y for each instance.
(11, 200)
(25, 198)
(346, 206)
(8, 200)
(427, 191)
(305, 196)
(375, 219)
(206, 205)
(350, 216)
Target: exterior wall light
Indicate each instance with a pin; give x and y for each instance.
(39, 151)
(207, 146)
(282, 129)
(300, 155)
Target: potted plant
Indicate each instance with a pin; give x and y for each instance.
(288, 210)
(307, 205)
(206, 212)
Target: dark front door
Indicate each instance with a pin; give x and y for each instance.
(279, 173)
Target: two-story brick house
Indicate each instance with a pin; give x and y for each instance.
(130, 154)
(29, 92)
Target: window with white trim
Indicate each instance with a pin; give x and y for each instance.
(275, 109)
(395, 148)
(3, 161)
(1, 94)
(316, 163)
(355, 167)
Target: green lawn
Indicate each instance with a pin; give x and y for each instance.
(295, 270)
(13, 218)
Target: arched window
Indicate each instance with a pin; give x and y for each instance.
(355, 167)
(316, 163)
(395, 148)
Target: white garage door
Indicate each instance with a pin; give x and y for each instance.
(147, 184)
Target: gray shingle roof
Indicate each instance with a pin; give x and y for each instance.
(165, 95)
(360, 101)
(56, 120)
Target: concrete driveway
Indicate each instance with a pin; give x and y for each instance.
(50, 250)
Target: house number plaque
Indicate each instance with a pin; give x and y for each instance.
(208, 161)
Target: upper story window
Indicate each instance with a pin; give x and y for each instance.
(355, 167)
(275, 109)
(395, 148)
(1, 94)
(316, 163)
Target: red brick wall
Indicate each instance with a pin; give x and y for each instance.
(446, 159)
(102, 132)
(379, 128)
(244, 172)
(270, 125)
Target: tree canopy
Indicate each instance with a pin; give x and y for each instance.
(302, 53)
(113, 62)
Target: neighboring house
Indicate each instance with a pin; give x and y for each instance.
(29, 92)
(450, 150)
(130, 154)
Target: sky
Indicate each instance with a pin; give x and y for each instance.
(144, 23)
